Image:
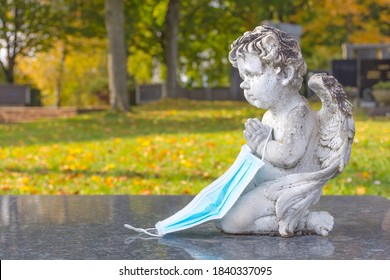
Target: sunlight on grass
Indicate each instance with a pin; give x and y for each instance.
(169, 147)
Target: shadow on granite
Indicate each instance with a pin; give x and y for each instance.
(91, 227)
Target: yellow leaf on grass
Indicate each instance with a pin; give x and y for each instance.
(109, 181)
(360, 190)
(96, 179)
(146, 192)
(109, 166)
(24, 180)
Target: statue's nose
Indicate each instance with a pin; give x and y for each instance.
(244, 85)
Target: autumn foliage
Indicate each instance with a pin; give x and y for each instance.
(170, 147)
(74, 60)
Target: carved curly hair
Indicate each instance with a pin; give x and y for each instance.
(280, 52)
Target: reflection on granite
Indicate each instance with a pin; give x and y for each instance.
(91, 227)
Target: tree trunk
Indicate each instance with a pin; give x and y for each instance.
(117, 60)
(171, 47)
(60, 69)
(9, 71)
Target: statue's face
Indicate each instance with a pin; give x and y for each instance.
(261, 84)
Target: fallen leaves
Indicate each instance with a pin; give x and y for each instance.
(360, 190)
(164, 148)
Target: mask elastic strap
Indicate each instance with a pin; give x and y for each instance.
(148, 231)
(266, 143)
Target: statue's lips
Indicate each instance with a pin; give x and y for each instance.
(248, 96)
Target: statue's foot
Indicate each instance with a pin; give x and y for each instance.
(266, 225)
(319, 222)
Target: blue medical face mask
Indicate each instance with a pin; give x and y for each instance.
(214, 201)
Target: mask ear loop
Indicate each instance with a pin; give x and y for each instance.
(266, 143)
(140, 236)
(148, 231)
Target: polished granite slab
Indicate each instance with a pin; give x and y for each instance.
(91, 227)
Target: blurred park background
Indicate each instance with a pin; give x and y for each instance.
(149, 101)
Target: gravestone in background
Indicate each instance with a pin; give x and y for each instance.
(373, 71)
(13, 95)
(362, 74)
(149, 92)
(345, 71)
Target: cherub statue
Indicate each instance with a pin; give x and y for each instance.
(307, 148)
(290, 154)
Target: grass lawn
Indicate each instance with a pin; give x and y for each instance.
(169, 147)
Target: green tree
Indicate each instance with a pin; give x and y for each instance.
(83, 18)
(82, 74)
(207, 28)
(202, 38)
(24, 30)
(152, 39)
(154, 29)
(80, 19)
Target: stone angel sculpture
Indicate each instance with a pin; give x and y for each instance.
(290, 154)
(307, 148)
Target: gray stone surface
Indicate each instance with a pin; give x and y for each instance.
(91, 227)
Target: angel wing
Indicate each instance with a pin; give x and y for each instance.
(335, 122)
(295, 193)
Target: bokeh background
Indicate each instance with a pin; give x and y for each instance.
(61, 50)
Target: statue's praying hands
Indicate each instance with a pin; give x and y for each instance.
(256, 134)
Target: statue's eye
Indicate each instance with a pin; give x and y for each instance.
(249, 74)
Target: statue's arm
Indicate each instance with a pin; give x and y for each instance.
(287, 151)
